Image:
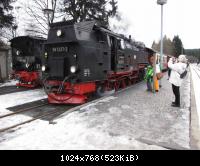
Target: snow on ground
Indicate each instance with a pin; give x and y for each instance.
(18, 98)
(196, 83)
(121, 121)
(70, 132)
(14, 99)
(9, 83)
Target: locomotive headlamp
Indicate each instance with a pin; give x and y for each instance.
(17, 52)
(59, 33)
(43, 67)
(75, 56)
(27, 65)
(73, 69)
(45, 55)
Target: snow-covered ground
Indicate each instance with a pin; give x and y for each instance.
(9, 83)
(70, 132)
(14, 99)
(195, 70)
(18, 98)
(121, 121)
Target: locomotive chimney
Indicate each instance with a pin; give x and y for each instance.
(129, 37)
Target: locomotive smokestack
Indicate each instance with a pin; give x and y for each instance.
(129, 37)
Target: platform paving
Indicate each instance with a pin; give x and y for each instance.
(144, 116)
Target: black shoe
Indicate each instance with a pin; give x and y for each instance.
(173, 102)
(175, 105)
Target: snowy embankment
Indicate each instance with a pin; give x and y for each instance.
(195, 70)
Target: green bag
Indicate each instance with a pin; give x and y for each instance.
(149, 73)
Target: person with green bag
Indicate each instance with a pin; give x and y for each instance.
(149, 77)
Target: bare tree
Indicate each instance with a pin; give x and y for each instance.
(41, 14)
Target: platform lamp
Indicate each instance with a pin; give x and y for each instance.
(162, 3)
(49, 13)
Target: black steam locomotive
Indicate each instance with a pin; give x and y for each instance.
(26, 60)
(83, 58)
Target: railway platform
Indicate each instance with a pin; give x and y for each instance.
(130, 119)
(147, 117)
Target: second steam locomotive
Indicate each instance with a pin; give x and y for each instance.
(26, 60)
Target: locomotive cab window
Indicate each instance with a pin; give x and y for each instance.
(128, 46)
(109, 41)
(101, 37)
(120, 44)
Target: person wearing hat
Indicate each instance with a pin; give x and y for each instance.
(177, 68)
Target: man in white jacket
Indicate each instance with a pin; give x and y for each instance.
(176, 70)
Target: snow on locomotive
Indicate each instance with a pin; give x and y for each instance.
(85, 58)
(26, 60)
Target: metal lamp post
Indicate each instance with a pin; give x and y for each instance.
(161, 2)
(48, 12)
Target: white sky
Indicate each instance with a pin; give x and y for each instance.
(142, 19)
(180, 17)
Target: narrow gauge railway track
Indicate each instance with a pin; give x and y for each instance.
(11, 89)
(28, 121)
(50, 113)
(22, 110)
(53, 111)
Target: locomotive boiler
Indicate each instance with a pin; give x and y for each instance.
(85, 58)
(26, 60)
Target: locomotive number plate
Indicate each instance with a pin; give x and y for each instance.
(60, 49)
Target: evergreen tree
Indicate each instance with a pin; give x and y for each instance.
(6, 19)
(193, 52)
(178, 46)
(168, 47)
(80, 10)
(154, 45)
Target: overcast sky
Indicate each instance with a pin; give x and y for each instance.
(180, 17)
(142, 20)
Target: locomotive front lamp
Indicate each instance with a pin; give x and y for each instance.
(27, 65)
(45, 55)
(59, 33)
(17, 52)
(75, 56)
(43, 67)
(73, 69)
